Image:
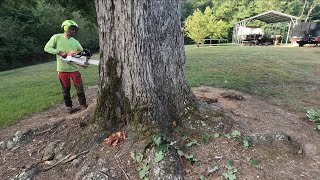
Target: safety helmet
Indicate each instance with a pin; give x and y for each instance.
(67, 23)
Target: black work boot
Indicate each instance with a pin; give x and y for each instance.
(69, 110)
(83, 107)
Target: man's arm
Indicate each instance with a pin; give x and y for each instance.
(80, 48)
(50, 47)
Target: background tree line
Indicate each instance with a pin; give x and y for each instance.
(215, 18)
(234, 10)
(25, 26)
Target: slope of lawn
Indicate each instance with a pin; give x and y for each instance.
(34, 88)
(285, 76)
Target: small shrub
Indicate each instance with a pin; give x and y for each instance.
(314, 116)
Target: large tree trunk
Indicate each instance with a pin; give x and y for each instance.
(142, 78)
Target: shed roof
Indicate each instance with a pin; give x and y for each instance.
(272, 17)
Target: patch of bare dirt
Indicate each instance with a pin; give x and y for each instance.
(255, 116)
(59, 147)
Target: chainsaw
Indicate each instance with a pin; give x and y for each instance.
(82, 58)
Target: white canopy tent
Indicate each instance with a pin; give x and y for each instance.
(267, 17)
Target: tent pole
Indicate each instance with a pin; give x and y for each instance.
(243, 25)
(289, 29)
(235, 33)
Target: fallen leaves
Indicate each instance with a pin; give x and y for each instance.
(115, 138)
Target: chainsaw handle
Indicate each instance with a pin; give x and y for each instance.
(76, 55)
(85, 52)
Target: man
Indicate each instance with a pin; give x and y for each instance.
(60, 45)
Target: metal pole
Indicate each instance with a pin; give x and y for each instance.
(242, 25)
(233, 33)
(289, 29)
(236, 31)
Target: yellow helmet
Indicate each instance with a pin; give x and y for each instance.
(67, 23)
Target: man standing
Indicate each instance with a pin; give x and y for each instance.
(60, 45)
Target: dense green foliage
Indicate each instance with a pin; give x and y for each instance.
(201, 25)
(25, 27)
(234, 10)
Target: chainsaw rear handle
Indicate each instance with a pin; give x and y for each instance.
(85, 52)
(76, 55)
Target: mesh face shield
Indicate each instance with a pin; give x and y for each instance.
(73, 28)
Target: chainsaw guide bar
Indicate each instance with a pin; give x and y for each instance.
(82, 60)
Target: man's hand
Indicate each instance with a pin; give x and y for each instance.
(63, 54)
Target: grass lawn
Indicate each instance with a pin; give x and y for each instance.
(283, 75)
(34, 89)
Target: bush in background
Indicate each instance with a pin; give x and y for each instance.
(26, 26)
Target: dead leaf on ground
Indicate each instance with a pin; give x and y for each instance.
(115, 138)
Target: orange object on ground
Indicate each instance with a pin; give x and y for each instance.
(115, 137)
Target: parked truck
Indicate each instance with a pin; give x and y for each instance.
(306, 33)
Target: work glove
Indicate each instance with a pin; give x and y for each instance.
(63, 54)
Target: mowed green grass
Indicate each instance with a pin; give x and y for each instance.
(284, 76)
(33, 89)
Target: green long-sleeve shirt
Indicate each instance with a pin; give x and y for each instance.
(59, 42)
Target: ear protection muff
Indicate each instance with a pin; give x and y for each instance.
(65, 25)
(65, 28)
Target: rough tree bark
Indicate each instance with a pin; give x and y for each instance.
(142, 76)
